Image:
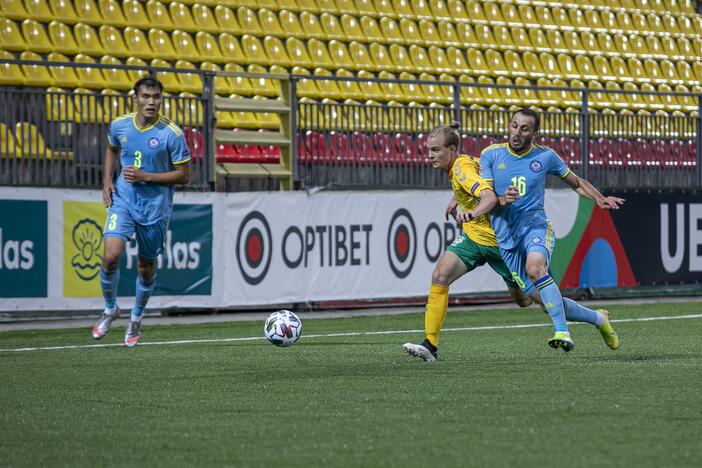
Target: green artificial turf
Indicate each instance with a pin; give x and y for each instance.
(496, 397)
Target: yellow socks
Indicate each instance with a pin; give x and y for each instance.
(437, 303)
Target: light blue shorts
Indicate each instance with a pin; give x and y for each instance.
(150, 237)
(541, 240)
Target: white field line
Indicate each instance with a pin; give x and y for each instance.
(333, 335)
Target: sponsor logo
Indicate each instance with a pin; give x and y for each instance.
(535, 166)
(153, 143)
(87, 242)
(254, 247)
(401, 243)
(502, 166)
(23, 248)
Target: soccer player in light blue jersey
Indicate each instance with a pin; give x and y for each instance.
(154, 157)
(517, 170)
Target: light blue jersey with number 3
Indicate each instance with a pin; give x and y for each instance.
(528, 173)
(156, 148)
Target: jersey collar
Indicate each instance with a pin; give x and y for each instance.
(509, 150)
(145, 129)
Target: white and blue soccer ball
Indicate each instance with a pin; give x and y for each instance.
(283, 328)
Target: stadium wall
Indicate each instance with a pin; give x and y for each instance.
(245, 250)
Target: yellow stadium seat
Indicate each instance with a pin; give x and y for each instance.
(457, 60)
(653, 70)
(621, 71)
(340, 54)
(565, 98)
(297, 52)
(311, 26)
(507, 95)
(477, 62)
(35, 36)
(366, 7)
(419, 58)
(189, 82)
(227, 20)
(621, 44)
(556, 41)
(63, 11)
(231, 50)
(136, 75)
(39, 10)
(421, 8)
(87, 40)
(276, 52)
(269, 22)
(638, 45)
(170, 80)
(158, 15)
(571, 40)
(111, 10)
(331, 26)
(386, 7)
(410, 31)
(526, 96)
(185, 46)
(655, 24)
(669, 71)
(550, 65)
(411, 90)
(360, 56)
(327, 88)
(532, 65)
(577, 18)
(114, 104)
(381, 57)
(685, 73)
(290, 23)
(669, 102)
(609, 21)
(181, 17)
(371, 29)
(61, 36)
(403, 8)
(352, 28)
(560, 18)
(513, 63)
(207, 47)
(346, 6)
(439, 10)
(306, 87)
(31, 141)
(456, 9)
(510, 14)
(469, 94)
(241, 85)
(605, 42)
(253, 50)
(391, 30)
(391, 91)
(637, 69)
(585, 68)
(319, 54)
(670, 47)
(14, 9)
(221, 83)
(89, 77)
(603, 69)
(697, 69)
(370, 89)
(528, 16)
(538, 39)
(521, 37)
(88, 106)
(490, 94)
(616, 100)
(624, 21)
(10, 35)
(188, 109)
(685, 48)
(135, 14)
(349, 89)
(448, 34)
(495, 62)
(697, 23)
(10, 75)
(204, 19)
(544, 15)
(62, 76)
(248, 21)
(484, 35)
(87, 12)
(638, 21)
(112, 37)
(400, 57)
(58, 107)
(567, 66)
(136, 43)
(589, 41)
(686, 102)
(503, 36)
(161, 44)
(439, 60)
(117, 78)
(466, 35)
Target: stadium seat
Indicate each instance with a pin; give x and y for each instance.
(171, 83)
(340, 55)
(227, 20)
(352, 28)
(114, 104)
(685, 48)
(448, 34)
(35, 36)
(381, 57)
(495, 63)
(162, 45)
(392, 91)
(637, 69)
(204, 19)
(10, 75)
(411, 90)
(112, 36)
(555, 41)
(189, 82)
(331, 26)
(361, 57)
(136, 75)
(88, 12)
(290, 23)
(434, 92)
(567, 66)
(9, 146)
(207, 48)
(603, 69)
(32, 144)
(14, 9)
(184, 46)
(327, 88)
(262, 86)
(112, 13)
(181, 17)
(391, 30)
(310, 26)
(513, 63)
(400, 58)
(349, 89)
(231, 50)
(638, 45)
(63, 11)
(319, 54)
(238, 84)
(136, 43)
(276, 52)
(248, 21)
(544, 16)
(477, 62)
(532, 65)
(528, 16)
(89, 77)
(410, 31)
(39, 10)
(538, 39)
(62, 38)
(420, 59)
(10, 36)
(188, 110)
(88, 107)
(439, 60)
(371, 29)
(254, 51)
(306, 87)
(87, 40)
(135, 15)
(117, 78)
(222, 85)
(297, 52)
(62, 76)
(158, 15)
(269, 22)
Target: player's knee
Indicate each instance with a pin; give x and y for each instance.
(146, 270)
(524, 301)
(536, 272)
(439, 277)
(110, 263)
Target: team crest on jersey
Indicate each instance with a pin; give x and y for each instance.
(536, 240)
(153, 143)
(535, 166)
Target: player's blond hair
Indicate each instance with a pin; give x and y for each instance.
(451, 134)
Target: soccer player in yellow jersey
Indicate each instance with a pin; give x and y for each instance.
(475, 246)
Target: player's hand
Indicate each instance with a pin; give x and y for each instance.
(452, 209)
(465, 216)
(107, 189)
(610, 203)
(511, 195)
(133, 174)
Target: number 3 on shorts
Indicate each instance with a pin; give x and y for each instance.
(112, 222)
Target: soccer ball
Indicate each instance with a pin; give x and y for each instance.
(282, 328)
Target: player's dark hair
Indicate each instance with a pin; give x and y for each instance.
(530, 113)
(147, 81)
(451, 134)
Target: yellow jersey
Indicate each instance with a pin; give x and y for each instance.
(467, 185)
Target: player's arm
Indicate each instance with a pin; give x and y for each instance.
(510, 196)
(108, 168)
(451, 208)
(587, 190)
(488, 200)
(180, 175)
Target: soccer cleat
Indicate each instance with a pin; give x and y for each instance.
(561, 340)
(608, 334)
(133, 334)
(103, 326)
(419, 351)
